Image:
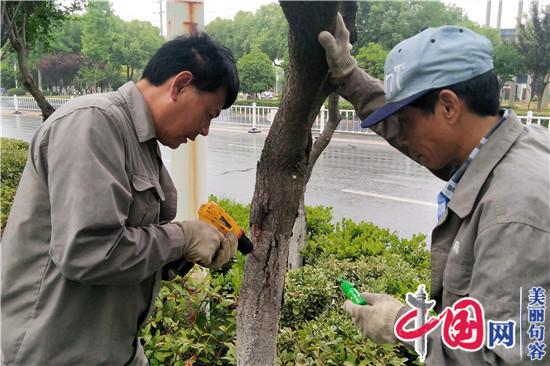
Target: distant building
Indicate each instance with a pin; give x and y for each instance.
(508, 35)
(521, 88)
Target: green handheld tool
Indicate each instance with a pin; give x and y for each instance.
(351, 292)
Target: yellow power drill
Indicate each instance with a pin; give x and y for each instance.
(212, 213)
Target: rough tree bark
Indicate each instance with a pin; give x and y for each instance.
(280, 181)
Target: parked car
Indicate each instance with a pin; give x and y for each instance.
(266, 95)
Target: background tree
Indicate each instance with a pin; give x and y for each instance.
(234, 34)
(7, 74)
(59, 69)
(23, 24)
(256, 72)
(134, 44)
(508, 62)
(66, 37)
(100, 30)
(371, 58)
(266, 29)
(281, 178)
(271, 30)
(222, 30)
(389, 22)
(534, 45)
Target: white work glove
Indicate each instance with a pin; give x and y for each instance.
(338, 49)
(205, 245)
(376, 319)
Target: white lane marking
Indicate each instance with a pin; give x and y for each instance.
(393, 198)
(246, 146)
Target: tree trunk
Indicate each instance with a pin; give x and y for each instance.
(537, 88)
(546, 94)
(280, 182)
(20, 47)
(540, 93)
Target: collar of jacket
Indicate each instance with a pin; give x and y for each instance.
(141, 115)
(490, 154)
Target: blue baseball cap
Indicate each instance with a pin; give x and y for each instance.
(433, 58)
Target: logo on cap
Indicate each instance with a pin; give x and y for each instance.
(393, 78)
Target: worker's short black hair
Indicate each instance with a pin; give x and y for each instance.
(211, 64)
(481, 94)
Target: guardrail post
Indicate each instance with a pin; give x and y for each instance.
(254, 129)
(529, 117)
(16, 104)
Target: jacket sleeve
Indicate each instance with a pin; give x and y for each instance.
(90, 197)
(366, 94)
(510, 259)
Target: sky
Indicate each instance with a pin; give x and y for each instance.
(148, 10)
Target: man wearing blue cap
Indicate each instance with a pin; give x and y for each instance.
(439, 105)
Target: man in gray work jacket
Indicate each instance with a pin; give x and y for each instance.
(90, 230)
(492, 241)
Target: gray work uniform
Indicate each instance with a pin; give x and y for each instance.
(87, 236)
(493, 240)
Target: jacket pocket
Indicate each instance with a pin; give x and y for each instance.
(456, 283)
(146, 197)
(457, 278)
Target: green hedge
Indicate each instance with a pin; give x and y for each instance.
(352, 240)
(313, 328)
(333, 340)
(16, 91)
(193, 321)
(13, 156)
(259, 102)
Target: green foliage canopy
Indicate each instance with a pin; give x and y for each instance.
(371, 58)
(389, 22)
(135, 44)
(508, 62)
(256, 72)
(31, 21)
(534, 46)
(67, 36)
(267, 29)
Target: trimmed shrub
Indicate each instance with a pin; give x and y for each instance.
(259, 102)
(333, 340)
(313, 328)
(311, 291)
(193, 323)
(353, 240)
(13, 157)
(17, 91)
(318, 221)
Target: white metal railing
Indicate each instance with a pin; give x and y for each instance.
(244, 116)
(28, 103)
(249, 116)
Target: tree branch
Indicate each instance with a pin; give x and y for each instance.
(326, 135)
